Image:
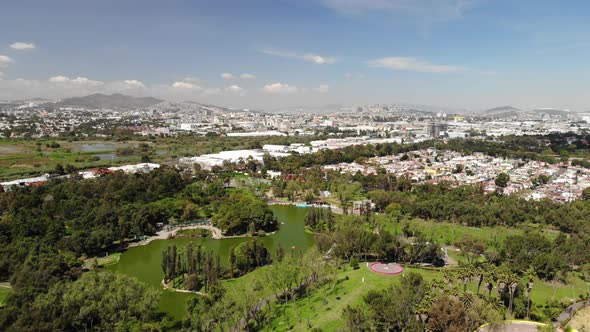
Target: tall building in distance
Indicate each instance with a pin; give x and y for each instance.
(437, 129)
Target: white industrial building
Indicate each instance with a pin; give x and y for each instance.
(139, 168)
(24, 182)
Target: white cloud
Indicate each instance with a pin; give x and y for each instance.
(413, 64)
(84, 80)
(235, 90)
(279, 88)
(78, 80)
(227, 76)
(1, 75)
(246, 76)
(323, 88)
(134, 84)
(5, 61)
(185, 85)
(62, 86)
(20, 46)
(58, 79)
(318, 59)
(309, 57)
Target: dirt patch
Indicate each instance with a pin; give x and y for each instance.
(581, 320)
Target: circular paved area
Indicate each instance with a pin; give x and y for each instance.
(386, 268)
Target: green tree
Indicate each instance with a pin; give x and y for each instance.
(502, 180)
(447, 314)
(98, 301)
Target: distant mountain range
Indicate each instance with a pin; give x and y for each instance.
(123, 102)
(114, 101)
(502, 112)
(510, 111)
(552, 111)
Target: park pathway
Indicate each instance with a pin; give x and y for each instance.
(167, 233)
(167, 286)
(569, 312)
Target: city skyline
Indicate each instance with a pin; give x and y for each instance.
(271, 54)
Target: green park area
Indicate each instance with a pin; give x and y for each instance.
(324, 306)
(109, 259)
(4, 291)
(285, 267)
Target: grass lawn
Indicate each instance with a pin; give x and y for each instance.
(109, 260)
(254, 279)
(544, 292)
(448, 233)
(323, 308)
(456, 255)
(3, 294)
(313, 311)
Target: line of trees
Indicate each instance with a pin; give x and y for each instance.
(320, 219)
(194, 268)
(247, 256)
(353, 239)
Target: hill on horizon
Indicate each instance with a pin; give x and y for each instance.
(114, 101)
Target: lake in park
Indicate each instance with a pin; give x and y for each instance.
(143, 262)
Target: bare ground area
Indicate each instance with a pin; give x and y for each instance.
(581, 320)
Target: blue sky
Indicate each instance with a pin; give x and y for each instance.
(458, 53)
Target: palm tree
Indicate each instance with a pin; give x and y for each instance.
(489, 286)
(512, 290)
(529, 290)
(479, 272)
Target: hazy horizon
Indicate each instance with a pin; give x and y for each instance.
(465, 54)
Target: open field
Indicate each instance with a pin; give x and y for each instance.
(254, 279)
(32, 157)
(448, 233)
(23, 158)
(323, 308)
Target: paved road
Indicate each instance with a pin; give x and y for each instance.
(512, 327)
(569, 311)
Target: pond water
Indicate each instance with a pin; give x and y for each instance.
(143, 262)
(107, 156)
(94, 147)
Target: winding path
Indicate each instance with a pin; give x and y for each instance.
(166, 286)
(165, 234)
(570, 311)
